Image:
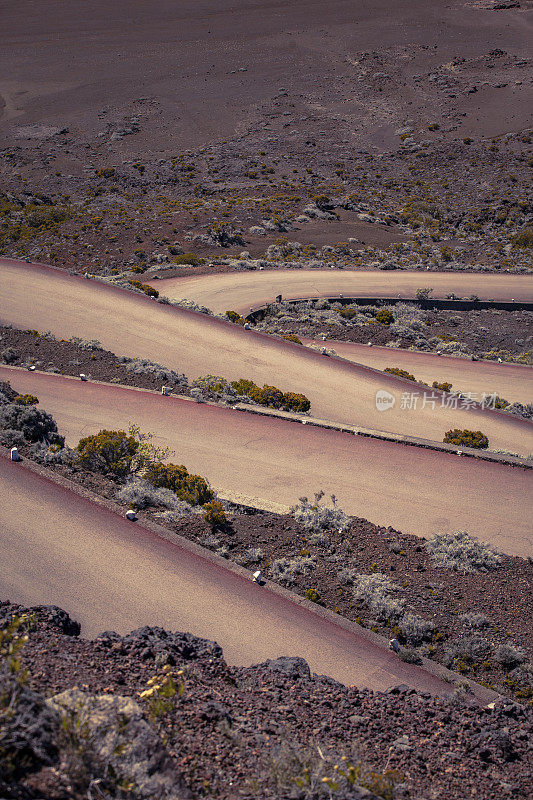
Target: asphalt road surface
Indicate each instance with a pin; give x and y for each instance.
(271, 462)
(512, 381)
(240, 290)
(111, 573)
(134, 325)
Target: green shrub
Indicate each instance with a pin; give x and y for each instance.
(215, 514)
(233, 316)
(294, 401)
(348, 313)
(144, 287)
(109, 452)
(401, 373)
(313, 595)
(244, 386)
(267, 396)
(26, 400)
(384, 316)
(423, 294)
(523, 239)
(191, 259)
(193, 489)
(467, 438)
(291, 337)
(444, 386)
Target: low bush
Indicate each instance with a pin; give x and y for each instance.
(423, 294)
(466, 438)
(86, 344)
(26, 400)
(294, 401)
(235, 317)
(285, 570)
(461, 552)
(212, 384)
(313, 595)
(291, 337)
(347, 576)
(139, 493)
(375, 591)
(415, 630)
(214, 514)
(109, 452)
(523, 239)
(9, 355)
(253, 555)
(348, 313)
(269, 396)
(141, 366)
(243, 386)
(384, 316)
(315, 517)
(509, 656)
(409, 656)
(144, 287)
(465, 650)
(444, 386)
(401, 373)
(191, 259)
(34, 424)
(193, 489)
(473, 620)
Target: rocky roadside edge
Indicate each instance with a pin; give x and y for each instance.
(271, 730)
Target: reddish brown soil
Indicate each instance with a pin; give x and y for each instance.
(238, 112)
(231, 726)
(67, 358)
(480, 331)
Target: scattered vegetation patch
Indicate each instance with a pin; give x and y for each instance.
(316, 517)
(400, 373)
(461, 552)
(467, 438)
(144, 287)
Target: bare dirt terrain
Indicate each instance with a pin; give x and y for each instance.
(130, 129)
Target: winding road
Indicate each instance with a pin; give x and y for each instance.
(111, 578)
(240, 290)
(271, 462)
(133, 325)
(110, 573)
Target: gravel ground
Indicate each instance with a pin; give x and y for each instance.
(253, 732)
(479, 331)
